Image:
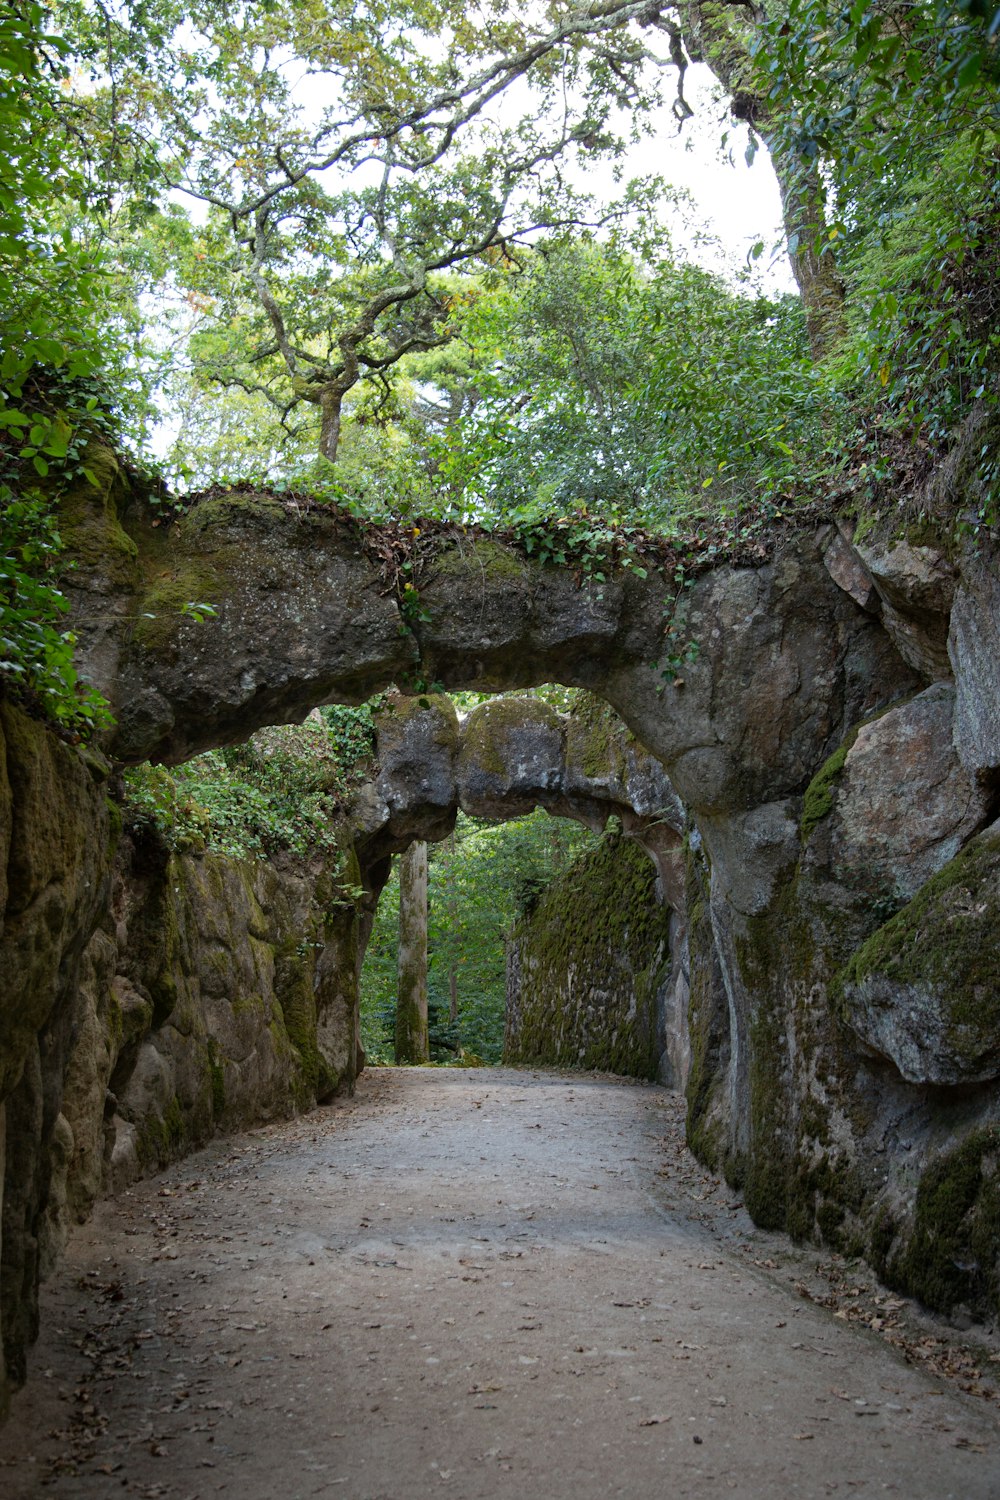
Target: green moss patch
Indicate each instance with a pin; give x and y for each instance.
(939, 956)
(165, 602)
(491, 727)
(593, 956)
(951, 1256)
(945, 935)
(818, 801)
(480, 558)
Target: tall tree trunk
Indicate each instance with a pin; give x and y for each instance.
(453, 926)
(412, 1044)
(716, 33)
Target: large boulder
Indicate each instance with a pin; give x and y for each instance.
(924, 990)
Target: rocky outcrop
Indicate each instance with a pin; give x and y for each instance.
(916, 588)
(974, 651)
(924, 990)
(588, 970)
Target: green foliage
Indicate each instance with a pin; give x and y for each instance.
(637, 391)
(43, 453)
(925, 308)
(36, 267)
(69, 323)
(337, 207)
(279, 791)
(68, 287)
(37, 653)
(479, 881)
(900, 106)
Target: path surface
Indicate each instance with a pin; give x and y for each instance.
(459, 1284)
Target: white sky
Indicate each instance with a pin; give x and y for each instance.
(739, 204)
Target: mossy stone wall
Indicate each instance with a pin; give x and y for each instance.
(56, 844)
(221, 1010)
(589, 965)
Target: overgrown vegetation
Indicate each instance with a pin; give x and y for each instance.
(397, 300)
(280, 791)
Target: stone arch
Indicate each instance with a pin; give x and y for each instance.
(835, 804)
(309, 608)
(787, 659)
(505, 758)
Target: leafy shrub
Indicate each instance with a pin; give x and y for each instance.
(280, 791)
(36, 652)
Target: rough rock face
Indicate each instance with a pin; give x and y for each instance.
(916, 587)
(974, 651)
(588, 971)
(923, 990)
(56, 837)
(220, 1011)
(862, 803)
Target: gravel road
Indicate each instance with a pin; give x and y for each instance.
(469, 1284)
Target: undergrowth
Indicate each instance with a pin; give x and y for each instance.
(280, 791)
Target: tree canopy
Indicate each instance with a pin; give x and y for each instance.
(349, 245)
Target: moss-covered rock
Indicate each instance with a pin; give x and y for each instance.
(512, 755)
(90, 522)
(209, 1007)
(818, 800)
(56, 844)
(595, 742)
(924, 990)
(482, 559)
(591, 961)
(951, 1252)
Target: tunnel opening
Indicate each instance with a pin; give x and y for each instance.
(800, 727)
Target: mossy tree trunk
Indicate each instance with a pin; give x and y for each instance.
(412, 1045)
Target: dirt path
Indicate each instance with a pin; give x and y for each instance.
(466, 1284)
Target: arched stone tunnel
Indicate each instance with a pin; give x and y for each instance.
(830, 758)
